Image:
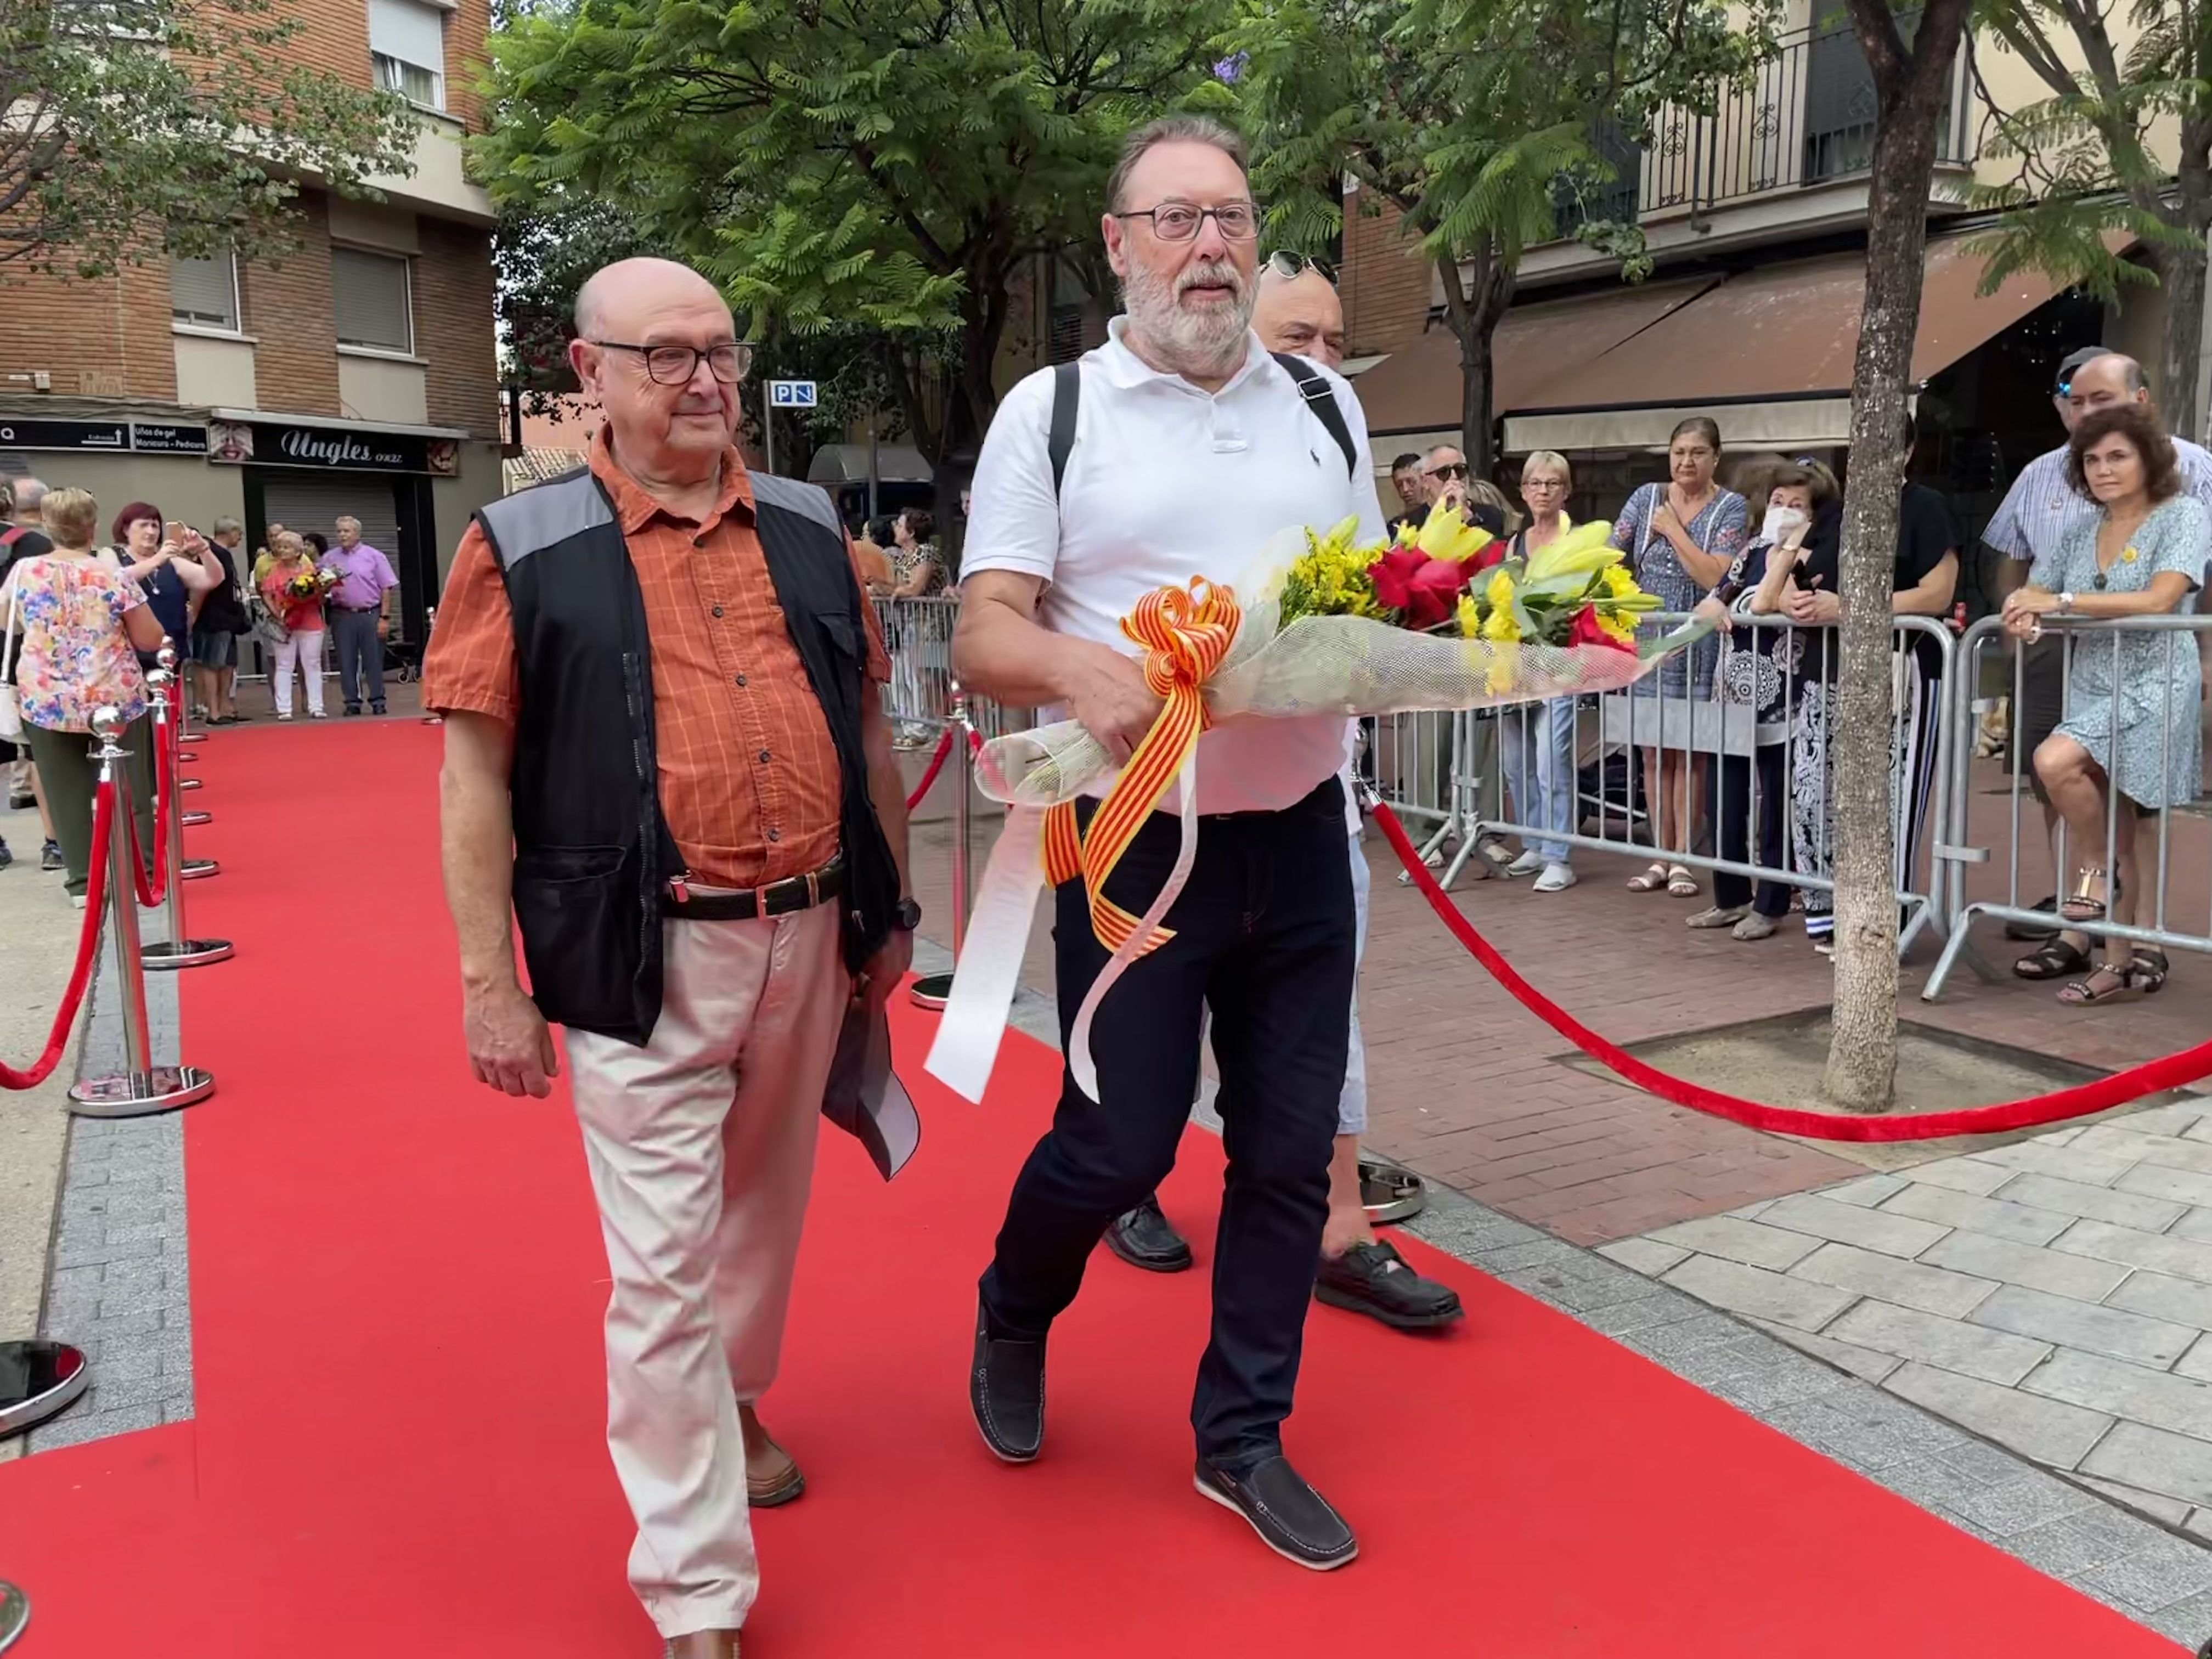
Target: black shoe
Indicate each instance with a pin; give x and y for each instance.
(1291, 1518)
(1146, 1238)
(2030, 932)
(49, 856)
(353, 709)
(376, 708)
(1005, 1388)
(6, 857)
(21, 801)
(1374, 1279)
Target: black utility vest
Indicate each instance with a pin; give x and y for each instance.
(592, 854)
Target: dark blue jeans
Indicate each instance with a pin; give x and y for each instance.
(360, 655)
(1265, 935)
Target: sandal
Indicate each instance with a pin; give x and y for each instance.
(1651, 881)
(2149, 968)
(2137, 978)
(2052, 959)
(1680, 884)
(2080, 905)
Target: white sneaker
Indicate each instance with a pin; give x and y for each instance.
(1527, 864)
(76, 900)
(1556, 878)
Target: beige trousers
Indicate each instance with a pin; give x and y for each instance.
(702, 1150)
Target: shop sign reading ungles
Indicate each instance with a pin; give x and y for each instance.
(325, 448)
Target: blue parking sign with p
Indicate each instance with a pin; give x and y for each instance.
(791, 394)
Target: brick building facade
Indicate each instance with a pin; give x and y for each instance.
(356, 373)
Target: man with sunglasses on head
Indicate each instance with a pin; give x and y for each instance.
(667, 760)
(1183, 447)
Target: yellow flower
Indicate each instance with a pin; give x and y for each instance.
(1445, 535)
(1585, 548)
(1618, 584)
(1498, 595)
(1499, 627)
(1505, 674)
(1470, 616)
(1625, 632)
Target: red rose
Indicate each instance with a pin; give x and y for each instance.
(1587, 632)
(1425, 590)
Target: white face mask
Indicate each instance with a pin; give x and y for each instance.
(1783, 522)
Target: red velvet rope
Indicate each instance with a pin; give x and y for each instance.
(87, 951)
(2169, 1072)
(936, 765)
(155, 891)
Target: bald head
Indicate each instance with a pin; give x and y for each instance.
(2104, 382)
(614, 295)
(666, 426)
(1301, 315)
(28, 494)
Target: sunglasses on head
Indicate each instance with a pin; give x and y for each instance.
(1289, 266)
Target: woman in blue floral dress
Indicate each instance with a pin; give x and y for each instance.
(1681, 537)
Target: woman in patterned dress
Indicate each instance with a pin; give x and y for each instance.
(1681, 537)
(2130, 741)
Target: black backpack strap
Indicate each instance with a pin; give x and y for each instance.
(1313, 387)
(1066, 401)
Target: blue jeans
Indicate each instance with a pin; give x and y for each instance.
(1539, 768)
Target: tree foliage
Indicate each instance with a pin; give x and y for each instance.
(2088, 176)
(1475, 120)
(140, 127)
(884, 166)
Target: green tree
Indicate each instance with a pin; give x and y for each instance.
(887, 166)
(1472, 118)
(138, 128)
(2088, 163)
(1912, 92)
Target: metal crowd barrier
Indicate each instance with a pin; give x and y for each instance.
(2081, 643)
(1458, 771)
(920, 697)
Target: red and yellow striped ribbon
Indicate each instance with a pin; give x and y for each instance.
(1185, 632)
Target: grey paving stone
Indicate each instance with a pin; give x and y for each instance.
(2183, 1258)
(2033, 1500)
(1871, 1431)
(2117, 1140)
(2183, 1301)
(2175, 1466)
(2179, 1187)
(1991, 1355)
(1512, 1258)
(2188, 1621)
(1847, 1223)
(2018, 1222)
(1752, 1291)
(1859, 1362)
(74, 1427)
(2050, 1432)
(1752, 1242)
(1909, 1284)
(2072, 1324)
(1961, 1174)
(2156, 1576)
(1678, 1337)
(1623, 1319)
(2194, 1223)
(2079, 1198)
(2123, 1390)
(2041, 1269)
(2066, 1547)
(1579, 1292)
(2173, 1511)
(1644, 1256)
(1935, 1485)
(2067, 1163)
(1868, 1190)
(2198, 1362)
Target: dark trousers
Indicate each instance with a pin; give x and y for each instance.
(1264, 935)
(360, 655)
(1734, 818)
(72, 777)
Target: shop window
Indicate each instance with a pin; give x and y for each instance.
(368, 292)
(407, 43)
(204, 293)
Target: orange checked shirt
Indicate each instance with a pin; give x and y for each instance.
(749, 780)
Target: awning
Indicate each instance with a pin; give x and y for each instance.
(837, 463)
(1416, 390)
(1768, 353)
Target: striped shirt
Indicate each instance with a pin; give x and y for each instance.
(2041, 505)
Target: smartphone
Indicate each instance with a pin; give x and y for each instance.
(174, 531)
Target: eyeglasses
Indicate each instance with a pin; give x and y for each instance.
(1448, 472)
(1291, 266)
(675, 365)
(1178, 221)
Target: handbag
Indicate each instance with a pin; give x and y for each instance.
(11, 706)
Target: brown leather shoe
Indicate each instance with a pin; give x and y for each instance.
(773, 1478)
(702, 1645)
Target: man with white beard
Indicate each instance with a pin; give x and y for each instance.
(1179, 448)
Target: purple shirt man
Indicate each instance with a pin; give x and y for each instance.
(364, 575)
(359, 616)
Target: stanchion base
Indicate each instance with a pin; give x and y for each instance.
(1390, 1195)
(193, 820)
(141, 1094)
(188, 783)
(37, 1379)
(930, 991)
(197, 868)
(190, 755)
(184, 953)
(15, 1613)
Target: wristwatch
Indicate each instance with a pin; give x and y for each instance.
(2066, 604)
(908, 915)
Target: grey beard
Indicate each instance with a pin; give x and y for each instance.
(1189, 342)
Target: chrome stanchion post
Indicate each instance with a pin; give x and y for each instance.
(37, 1379)
(161, 680)
(15, 1613)
(935, 990)
(181, 949)
(142, 1087)
(429, 627)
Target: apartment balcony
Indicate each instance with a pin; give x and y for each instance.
(1784, 152)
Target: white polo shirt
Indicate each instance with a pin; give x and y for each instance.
(1167, 482)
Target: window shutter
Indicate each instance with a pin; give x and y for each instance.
(202, 292)
(409, 30)
(369, 294)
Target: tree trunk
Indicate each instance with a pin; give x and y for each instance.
(1474, 311)
(2181, 275)
(1910, 88)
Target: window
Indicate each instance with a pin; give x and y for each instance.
(407, 43)
(368, 294)
(204, 293)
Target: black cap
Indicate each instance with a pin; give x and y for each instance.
(2074, 361)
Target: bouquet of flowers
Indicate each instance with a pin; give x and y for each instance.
(1442, 619)
(311, 584)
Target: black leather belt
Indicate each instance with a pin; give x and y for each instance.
(777, 898)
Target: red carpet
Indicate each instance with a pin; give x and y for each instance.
(397, 1284)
